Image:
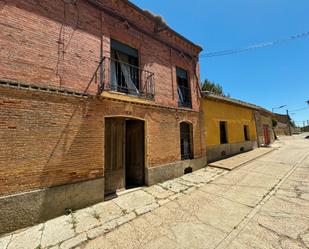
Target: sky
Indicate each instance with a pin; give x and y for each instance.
(269, 77)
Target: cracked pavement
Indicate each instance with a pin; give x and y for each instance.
(70, 231)
(262, 204)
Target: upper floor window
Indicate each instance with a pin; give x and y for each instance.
(125, 74)
(124, 68)
(223, 132)
(183, 88)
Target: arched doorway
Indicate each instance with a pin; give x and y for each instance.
(124, 164)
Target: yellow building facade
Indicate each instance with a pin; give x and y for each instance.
(229, 126)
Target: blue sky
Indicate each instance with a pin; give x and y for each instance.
(269, 77)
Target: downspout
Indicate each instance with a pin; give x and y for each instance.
(201, 114)
(172, 74)
(199, 90)
(101, 83)
(257, 130)
(197, 78)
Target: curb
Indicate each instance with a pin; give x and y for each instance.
(246, 162)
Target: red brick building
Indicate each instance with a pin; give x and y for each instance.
(96, 96)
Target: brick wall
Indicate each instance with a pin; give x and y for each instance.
(51, 139)
(38, 46)
(58, 44)
(47, 139)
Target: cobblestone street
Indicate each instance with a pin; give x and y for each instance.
(262, 204)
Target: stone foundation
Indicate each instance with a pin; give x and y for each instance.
(169, 171)
(218, 152)
(29, 208)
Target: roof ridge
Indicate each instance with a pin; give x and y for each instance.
(234, 101)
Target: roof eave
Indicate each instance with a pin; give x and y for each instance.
(170, 29)
(230, 100)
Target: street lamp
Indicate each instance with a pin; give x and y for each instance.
(279, 107)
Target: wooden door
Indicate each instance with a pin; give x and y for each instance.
(135, 153)
(266, 134)
(114, 154)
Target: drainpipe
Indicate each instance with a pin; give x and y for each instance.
(101, 83)
(256, 128)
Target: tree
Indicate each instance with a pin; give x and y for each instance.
(212, 87)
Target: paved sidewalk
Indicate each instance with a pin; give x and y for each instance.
(240, 159)
(71, 230)
(262, 205)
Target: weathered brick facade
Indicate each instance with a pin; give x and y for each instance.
(52, 139)
(49, 140)
(59, 44)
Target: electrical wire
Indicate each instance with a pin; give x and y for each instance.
(301, 109)
(256, 46)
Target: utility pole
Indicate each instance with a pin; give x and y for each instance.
(289, 120)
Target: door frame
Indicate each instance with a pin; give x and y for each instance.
(266, 134)
(127, 117)
(141, 122)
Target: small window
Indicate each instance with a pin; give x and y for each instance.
(223, 133)
(186, 138)
(246, 132)
(183, 88)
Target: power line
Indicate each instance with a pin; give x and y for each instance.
(256, 46)
(301, 109)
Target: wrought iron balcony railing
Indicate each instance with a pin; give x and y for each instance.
(125, 78)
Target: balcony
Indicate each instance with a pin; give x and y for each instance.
(122, 77)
